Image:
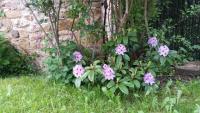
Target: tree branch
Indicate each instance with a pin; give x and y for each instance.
(146, 16)
(125, 16)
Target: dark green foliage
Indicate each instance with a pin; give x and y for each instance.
(11, 60)
(59, 68)
(184, 16)
(42, 5)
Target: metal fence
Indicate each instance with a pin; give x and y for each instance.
(187, 27)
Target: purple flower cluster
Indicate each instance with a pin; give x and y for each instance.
(77, 56)
(152, 41)
(78, 71)
(108, 72)
(149, 79)
(120, 49)
(163, 50)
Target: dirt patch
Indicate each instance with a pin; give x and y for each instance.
(189, 69)
(186, 72)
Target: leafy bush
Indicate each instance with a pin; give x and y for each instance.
(118, 73)
(59, 67)
(11, 60)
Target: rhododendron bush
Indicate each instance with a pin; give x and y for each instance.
(116, 73)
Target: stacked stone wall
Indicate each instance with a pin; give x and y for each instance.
(22, 30)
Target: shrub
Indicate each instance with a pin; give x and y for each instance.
(118, 73)
(60, 67)
(11, 60)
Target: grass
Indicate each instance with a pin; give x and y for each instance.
(33, 94)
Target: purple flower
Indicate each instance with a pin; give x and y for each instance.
(78, 71)
(163, 50)
(152, 41)
(120, 49)
(149, 79)
(77, 56)
(108, 72)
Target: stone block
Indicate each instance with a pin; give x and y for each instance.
(65, 24)
(12, 14)
(5, 25)
(15, 34)
(24, 43)
(23, 34)
(33, 28)
(23, 23)
(64, 32)
(29, 18)
(46, 27)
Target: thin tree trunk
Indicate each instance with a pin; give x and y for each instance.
(146, 16)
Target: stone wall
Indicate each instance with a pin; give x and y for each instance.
(22, 30)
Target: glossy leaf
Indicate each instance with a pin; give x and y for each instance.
(77, 82)
(124, 89)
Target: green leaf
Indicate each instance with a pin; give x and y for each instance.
(84, 75)
(133, 35)
(156, 57)
(113, 89)
(98, 67)
(170, 61)
(65, 69)
(137, 83)
(124, 89)
(99, 71)
(125, 40)
(5, 62)
(126, 57)
(104, 89)
(77, 82)
(129, 84)
(173, 53)
(140, 73)
(123, 72)
(162, 60)
(183, 49)
(110, 84)
(96, 62)
(152, 72)
(91, 76)
(119, 40)
(125, 79)
(149, 90)
(118, 62)
(149, 64)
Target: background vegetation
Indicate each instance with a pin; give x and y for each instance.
(11, 60)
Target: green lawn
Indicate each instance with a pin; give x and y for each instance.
(34, 94)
